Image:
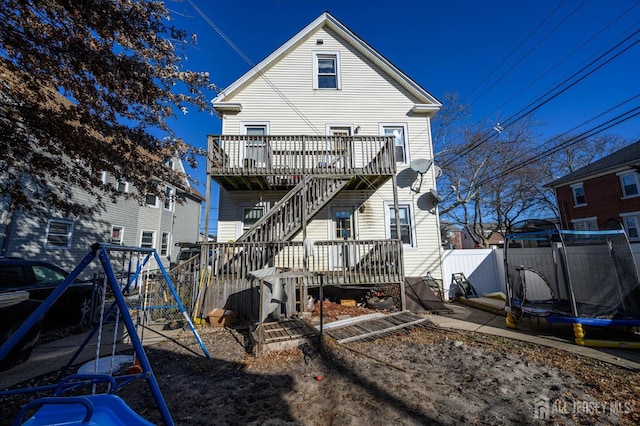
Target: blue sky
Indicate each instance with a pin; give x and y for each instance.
(500, 55)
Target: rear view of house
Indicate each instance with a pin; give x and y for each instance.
(325, 165)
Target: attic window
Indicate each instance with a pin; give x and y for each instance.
(326, 70)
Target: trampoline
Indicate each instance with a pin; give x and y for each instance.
(576, 277)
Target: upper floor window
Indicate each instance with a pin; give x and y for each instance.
(123, 186)
(59, 234)
(148, 239)
(629, 184)
(117, 233)
(631, 222)
(151, 200)
(164, 244)
(168, 198)
(326, 70)
(255, 148)
(586, 224)
(399, 133)
(579, 198)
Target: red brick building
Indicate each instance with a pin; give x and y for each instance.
(603, 195)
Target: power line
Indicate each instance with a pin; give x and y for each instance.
(627, 115)
(530, 108)
(259, 72)
(530, 51)
(578, 80)
(554, 66)
(506, 58)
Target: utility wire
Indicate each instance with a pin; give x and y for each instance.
(506, 58)
(627, 115)
(259, 72)
(530, 51)
(530, 108)
(534, 108)
(557, 137)
(577, 49)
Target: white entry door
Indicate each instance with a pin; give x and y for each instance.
(343, 229)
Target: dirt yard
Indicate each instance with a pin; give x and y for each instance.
(423, 376)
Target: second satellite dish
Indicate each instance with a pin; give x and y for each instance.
(420, 166)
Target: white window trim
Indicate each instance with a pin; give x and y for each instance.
(243, 131)
(631, 214)
(121, 234)
(104, 177)
(171, 195)
(636, 178)
(412, 217)
(330, 126)
(153, 232)
(334, 53)
(245, 124)
(153, 206)
(585, 219)
(381, 127)
(126, 186)
(573, 194)
(355, 218)
(69, 235)
(240, 223)
(168, 253)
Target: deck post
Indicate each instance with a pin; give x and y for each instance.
(394, 183)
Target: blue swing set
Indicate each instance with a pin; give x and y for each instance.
(100, 408)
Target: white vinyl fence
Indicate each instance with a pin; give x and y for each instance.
(484, 268)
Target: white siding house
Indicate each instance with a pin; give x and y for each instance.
(326, 105)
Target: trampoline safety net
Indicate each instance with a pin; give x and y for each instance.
(590, 274)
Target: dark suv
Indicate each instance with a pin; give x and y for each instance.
(75, 306)
(24, 284)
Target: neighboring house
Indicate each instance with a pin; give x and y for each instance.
(603, 195)
(317, 144)
(65, 241)
(451, 236)
(471, 238)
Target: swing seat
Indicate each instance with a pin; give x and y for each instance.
(104, 409)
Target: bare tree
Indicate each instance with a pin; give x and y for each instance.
(85, 89)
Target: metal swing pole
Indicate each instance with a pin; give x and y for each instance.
(135, 340)
(181, 306)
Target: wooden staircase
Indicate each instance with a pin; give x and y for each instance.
(286, 217)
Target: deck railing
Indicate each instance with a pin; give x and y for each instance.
(285, 218)
(223, 276)
(339, 262)
(299, 155)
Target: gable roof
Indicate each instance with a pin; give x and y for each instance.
(625, 157)
(428, 103)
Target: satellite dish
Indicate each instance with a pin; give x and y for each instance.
(437, 198)
(437, 171)
(420, 166)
